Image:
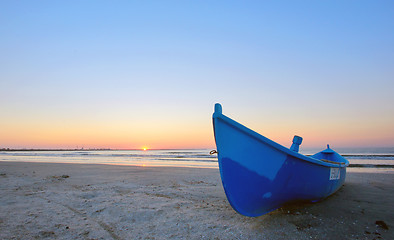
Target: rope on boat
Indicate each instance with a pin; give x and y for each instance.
(328, 161)
(212, 152)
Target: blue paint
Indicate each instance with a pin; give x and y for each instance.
(260, 175)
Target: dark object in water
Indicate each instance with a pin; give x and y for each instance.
(382, 224)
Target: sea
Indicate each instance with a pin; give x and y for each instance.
(198, 158)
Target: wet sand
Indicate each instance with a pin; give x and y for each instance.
(87, 201)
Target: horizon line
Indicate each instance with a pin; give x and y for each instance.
(152, 149)
(95, 149)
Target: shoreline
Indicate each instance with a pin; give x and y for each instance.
(388, 167)
(141, 165)
(99, 201)
(184, 158)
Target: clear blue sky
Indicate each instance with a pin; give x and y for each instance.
(129, 74)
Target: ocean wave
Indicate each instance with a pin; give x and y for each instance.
(371, 166)
(184, 158)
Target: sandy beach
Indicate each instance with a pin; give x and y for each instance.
(91, 201)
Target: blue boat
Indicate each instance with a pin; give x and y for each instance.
(260, 175)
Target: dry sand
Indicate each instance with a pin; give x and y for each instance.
(86, 201)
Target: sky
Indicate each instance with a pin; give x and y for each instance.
(134, 74)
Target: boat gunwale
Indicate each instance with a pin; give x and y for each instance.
(276, 145)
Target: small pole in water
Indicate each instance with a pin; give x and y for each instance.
(297, 140)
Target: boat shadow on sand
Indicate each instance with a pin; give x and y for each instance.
(357, 210)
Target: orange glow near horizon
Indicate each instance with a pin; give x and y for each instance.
(146, 134)
(53, 137)
(40, 135)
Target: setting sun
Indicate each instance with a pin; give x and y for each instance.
(144, 148)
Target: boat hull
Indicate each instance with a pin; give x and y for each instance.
(259, 175)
